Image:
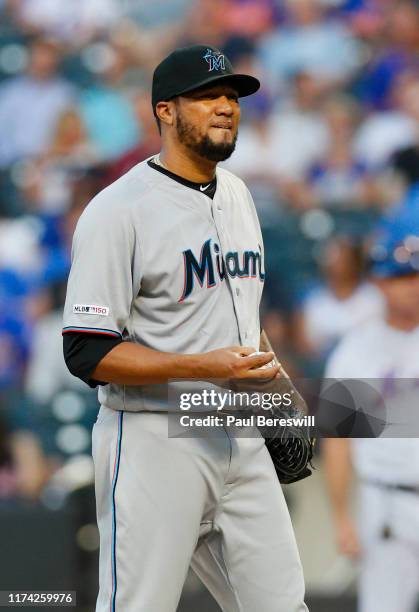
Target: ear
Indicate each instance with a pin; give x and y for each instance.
(165, 111)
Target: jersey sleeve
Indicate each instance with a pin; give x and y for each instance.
(83, 352)
(102, 281)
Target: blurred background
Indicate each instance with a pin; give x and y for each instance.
(326, 146)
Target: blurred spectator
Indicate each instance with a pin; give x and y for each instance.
(398, 54)
(385, 132)
(268, 154)
(107, 110)
(278, 329)
(382, 353)
(149, 143)
(299, 129)
(30, 104)
(74, 22)
(406, 163)
(70, 140)
(32, 468)
(28, 260)
(56, 254)
(48, 180)
(250, 17)
(205, 22)
(339, 179)
(14, 339)
(85, 188)
(242, 52)
(47, 373)
(28, 266)
(17, 233)
(343, 302)
(20, 263)
(309, 42)
(8, 484)
(366, 17)
(155, 14)
(24, 470)
(15, 327)
(256, 159)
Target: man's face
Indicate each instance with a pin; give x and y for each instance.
(44, 59)
(402, 295)
(207, 121)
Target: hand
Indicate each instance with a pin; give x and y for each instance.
(347, 537)
(237, 363)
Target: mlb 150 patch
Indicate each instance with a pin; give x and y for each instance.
(91, 309)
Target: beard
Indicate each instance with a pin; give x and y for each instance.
(203, 145)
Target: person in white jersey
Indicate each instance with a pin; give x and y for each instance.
(385, 538)
(166, 280)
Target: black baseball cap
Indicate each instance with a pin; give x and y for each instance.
(189, 68)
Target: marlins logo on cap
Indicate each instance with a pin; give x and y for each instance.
(215, 60)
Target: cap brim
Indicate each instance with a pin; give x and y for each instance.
(244, 84)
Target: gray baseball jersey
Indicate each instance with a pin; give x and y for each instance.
(164, 265)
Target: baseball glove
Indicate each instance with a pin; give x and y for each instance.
(291, 451)
(290, 446)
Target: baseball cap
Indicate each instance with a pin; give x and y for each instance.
(189, 68)
(394, 250)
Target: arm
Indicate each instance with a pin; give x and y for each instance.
(134, 364)
(338, 473)
(337, 455)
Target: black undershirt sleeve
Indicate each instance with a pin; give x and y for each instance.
(82, 353)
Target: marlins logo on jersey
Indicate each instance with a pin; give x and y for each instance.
(250, 266)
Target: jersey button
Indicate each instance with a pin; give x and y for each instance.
(237, 291)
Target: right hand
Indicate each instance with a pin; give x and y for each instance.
(347, 537)
(235, 362)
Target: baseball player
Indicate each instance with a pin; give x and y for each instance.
(166, 281)
(386, 539)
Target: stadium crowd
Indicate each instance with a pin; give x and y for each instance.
(326, 146)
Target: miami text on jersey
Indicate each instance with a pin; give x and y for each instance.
(212, 266)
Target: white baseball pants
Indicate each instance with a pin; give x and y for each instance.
(389, 580)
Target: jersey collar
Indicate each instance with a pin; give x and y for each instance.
(207, 189)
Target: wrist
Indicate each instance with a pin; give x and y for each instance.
(190, 366)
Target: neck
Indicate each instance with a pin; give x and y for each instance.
(343, 288)
(187, 164)
(401, 322)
